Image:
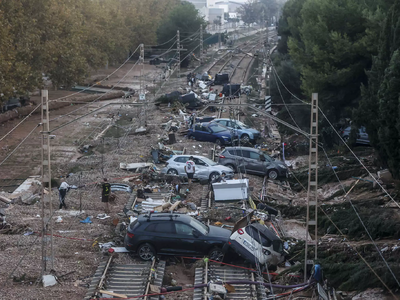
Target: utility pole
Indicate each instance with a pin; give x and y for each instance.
(46, 178)
(142, 91)
(201, 44)
(219, 36)
(312, 195)
(178, 48)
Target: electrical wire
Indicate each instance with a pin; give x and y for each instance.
(359, 217)
(55, 100)
(163, 43)
(19, 145)
(284, 102)
(338, 134)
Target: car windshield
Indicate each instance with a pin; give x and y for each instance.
(242, 124)
(217, 128)
(200, 227)
(209, 161)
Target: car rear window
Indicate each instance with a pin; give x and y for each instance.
(134, 225)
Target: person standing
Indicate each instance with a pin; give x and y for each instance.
(63, 189)
(106, 194)
(190, 169)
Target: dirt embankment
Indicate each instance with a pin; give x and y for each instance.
(26, 110)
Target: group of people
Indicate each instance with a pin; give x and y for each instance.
(105, 195)
(190, 169)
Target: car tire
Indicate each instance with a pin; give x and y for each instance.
(346, 138)
(231, 167)
(245, 138)
(216, 254)
(218, 142)
(172, 172)
(146, 252)
(213, 176)
(272, 174)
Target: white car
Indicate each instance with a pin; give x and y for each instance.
(205, 168)
(257, 244)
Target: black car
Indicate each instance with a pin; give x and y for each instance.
(231, 90)
(174, 234)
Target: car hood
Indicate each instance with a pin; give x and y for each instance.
(254, 131)
(218, 232)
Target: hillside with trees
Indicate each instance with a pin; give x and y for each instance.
(347, 51)
(64, 40)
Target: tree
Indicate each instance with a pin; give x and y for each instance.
(185, 18)
(250, 12)
(331, 52)
(379, 108)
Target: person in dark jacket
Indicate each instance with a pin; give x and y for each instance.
(105, 195)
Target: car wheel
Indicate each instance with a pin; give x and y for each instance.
(231, 167)
(272, 174)
(245, 139)
(172, 172)
(346, 138)
(214, 176)
(216, 254)
(146, 252)
(218, 142)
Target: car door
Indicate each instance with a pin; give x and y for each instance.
(237, 128)
(180, 163)
(208, 135)
(164, 237)
(255, 164)
(198, 133)
(243, 157)
(186, 241)
(201, 168)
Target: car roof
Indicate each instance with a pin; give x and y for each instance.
(163, 217)
(189, 155)
(242, 148)
(265, 231)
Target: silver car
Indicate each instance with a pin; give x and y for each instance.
(205, 168)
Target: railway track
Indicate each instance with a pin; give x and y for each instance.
(220, 273)
(130, 280)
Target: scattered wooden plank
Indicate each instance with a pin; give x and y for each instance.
(114, 294)
(5, 200)
(174, 206)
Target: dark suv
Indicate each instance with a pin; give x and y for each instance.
(174, 234)
(252, 161)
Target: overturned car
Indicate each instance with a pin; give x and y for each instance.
(258, 245)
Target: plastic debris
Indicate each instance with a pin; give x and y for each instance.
(49, 280)
(87, 220)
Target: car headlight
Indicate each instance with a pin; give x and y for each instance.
(282, 166)
(225, 137)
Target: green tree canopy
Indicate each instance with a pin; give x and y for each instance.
(67, 39)
(379, 108)
(185, 18)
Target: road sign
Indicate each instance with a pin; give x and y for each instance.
(142, 97)
(268, 103)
